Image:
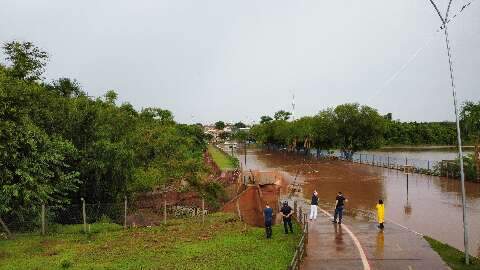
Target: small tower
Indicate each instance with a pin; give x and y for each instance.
(293, 107)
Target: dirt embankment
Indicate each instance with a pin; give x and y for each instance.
(263, 188)
(149, 206)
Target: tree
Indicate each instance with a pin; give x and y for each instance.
(66, 87)
(27, 60)
(240, 125)
(265, 119)
(470, 120)
(111, 96)
(358, 127)
(35, 166)
(324, 130)
(163, 116)
(282, 115)
(220, 125)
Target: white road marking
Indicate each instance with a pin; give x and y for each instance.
(408, 229)
(366, 266)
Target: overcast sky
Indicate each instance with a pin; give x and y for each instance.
(237, 60)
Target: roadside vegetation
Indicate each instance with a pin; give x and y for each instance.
(224, 161)
(452, 256)
(58, 144)
(221, 243)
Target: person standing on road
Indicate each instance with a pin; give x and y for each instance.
(313, 206)
(339, 205)
(287, 213)
(268, 214)
(380, 213)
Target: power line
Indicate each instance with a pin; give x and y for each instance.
(419, 50)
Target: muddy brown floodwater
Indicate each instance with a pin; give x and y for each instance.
(426, 204)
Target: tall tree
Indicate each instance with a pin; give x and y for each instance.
(220, 125)
(265, 119)
(240, 125)
(358, 127)
(27, 60)
(282, 115)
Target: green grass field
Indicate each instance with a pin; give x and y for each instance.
(223, 161)
(221, 243)
(452, 256)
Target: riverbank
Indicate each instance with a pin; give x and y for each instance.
(223, 242)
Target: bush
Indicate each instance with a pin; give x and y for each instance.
(65, 263)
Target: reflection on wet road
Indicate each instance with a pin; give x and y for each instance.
(427, 204)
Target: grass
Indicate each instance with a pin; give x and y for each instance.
(223, 161)
(452, 256)
(221, 243)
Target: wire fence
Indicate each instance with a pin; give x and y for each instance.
(446, 168)
(85, 217)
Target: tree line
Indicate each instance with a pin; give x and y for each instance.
(352, 127)
(58, 144)
(349, 127)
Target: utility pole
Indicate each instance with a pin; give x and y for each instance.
(459, 138)
(245, 149)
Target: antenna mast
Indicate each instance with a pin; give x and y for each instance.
(293, 107)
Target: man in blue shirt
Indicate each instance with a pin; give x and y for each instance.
(268, 214)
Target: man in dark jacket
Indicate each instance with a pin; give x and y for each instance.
(339, 205)
(268, 215)
(287, 213)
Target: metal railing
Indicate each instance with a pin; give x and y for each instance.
(446, 168)
(301, 248)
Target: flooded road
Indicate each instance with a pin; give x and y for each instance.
(429, 205)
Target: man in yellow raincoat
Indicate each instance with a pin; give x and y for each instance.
(380, 213)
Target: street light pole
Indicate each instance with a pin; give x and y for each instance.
(459, 138)
(245, 149)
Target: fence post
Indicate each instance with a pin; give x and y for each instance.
(238, 210)
(428, 165)
(406, 160)
(43, 219)
(373, 159)
(305, 237)
(165, 211)
(84, 214)
(4, 226)
(300, 212)
(295, 206)
(360, 158)
(388, 162)
(125, 217)
(203, 210)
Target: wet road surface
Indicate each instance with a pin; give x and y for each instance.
(331, 246)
